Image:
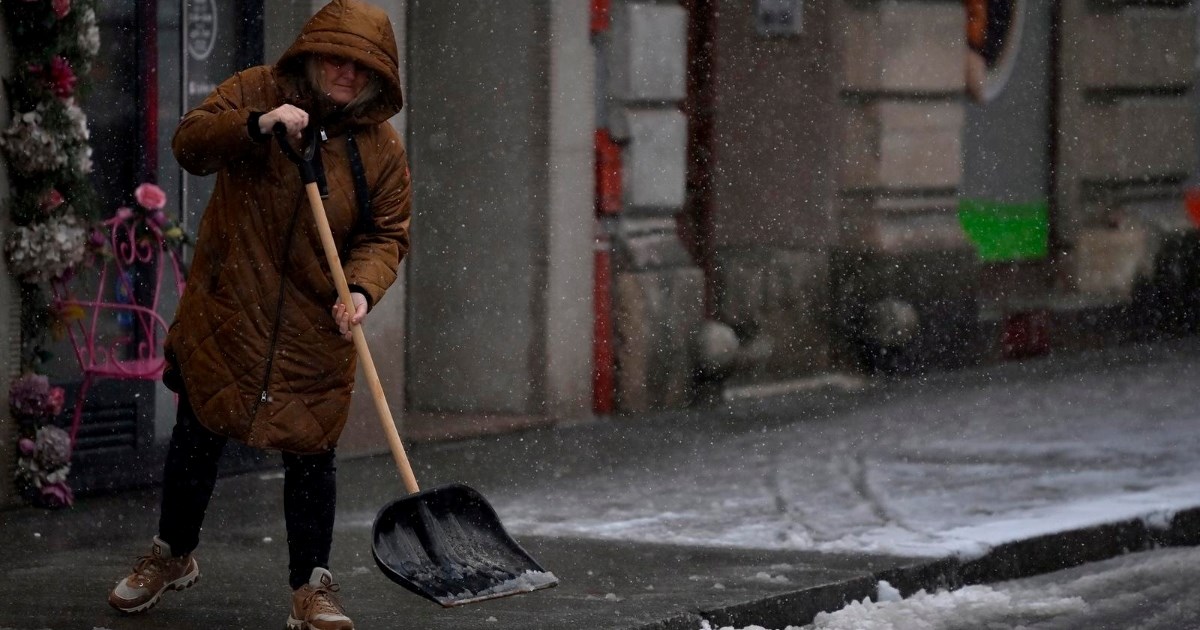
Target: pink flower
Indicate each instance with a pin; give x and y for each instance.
(124, 213)
(28, 397)
(51, 200)
(61, 78)
(56, 495)
(27, 446)
(57, 399)
(97, 239)
(150, 197)
(61, 8)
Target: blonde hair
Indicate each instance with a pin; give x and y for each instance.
(373, 88)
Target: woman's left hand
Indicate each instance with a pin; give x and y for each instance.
(343, 317)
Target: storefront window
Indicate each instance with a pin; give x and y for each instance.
(117, 105)
(220, 37)
(158, 59)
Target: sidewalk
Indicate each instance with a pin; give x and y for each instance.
(753, 512)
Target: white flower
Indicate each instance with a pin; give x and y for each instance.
(32, 149)
(59, 474)
(89, 33)
(46, 250)
(84, 160)
(78, 120)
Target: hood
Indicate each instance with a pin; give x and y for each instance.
(358, 31)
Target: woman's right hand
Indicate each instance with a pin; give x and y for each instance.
(292, 117)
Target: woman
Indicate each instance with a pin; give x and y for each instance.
(260, 350)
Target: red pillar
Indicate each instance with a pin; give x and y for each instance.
(608, 203)
(604, 378)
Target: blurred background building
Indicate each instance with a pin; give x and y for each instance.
(623, 206)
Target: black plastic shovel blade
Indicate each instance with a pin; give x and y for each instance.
(448, 545)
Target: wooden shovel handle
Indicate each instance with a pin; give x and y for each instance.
(360, 340)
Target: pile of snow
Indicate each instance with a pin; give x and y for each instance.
(1150, 590)
(969, 607)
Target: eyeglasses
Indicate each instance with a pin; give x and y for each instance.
(339, 63)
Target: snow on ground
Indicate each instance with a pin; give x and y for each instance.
(1145, 591)
(952, 469)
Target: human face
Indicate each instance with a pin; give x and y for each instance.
(342, 79)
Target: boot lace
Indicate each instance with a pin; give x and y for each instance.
(148, 567)
(324, 600)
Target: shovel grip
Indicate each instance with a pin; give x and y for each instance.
(360, 340)
(308, 174)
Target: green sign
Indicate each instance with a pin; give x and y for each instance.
(1006, 231)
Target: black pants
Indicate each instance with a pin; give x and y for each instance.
(309, 495)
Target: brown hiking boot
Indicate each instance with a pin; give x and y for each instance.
(316, 607)
(152, 575)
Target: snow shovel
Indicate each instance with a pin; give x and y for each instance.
(446, 544)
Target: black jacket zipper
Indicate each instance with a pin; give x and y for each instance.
(283, 271)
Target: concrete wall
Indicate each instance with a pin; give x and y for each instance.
(568, 291)
(499, 278)
(773, 172)
(385, 326)
(901, 92)
(1126, 140)
(901, 114)
(10, 309)
(657, 290)
(838, 156)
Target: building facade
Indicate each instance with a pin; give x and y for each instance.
(623, 206)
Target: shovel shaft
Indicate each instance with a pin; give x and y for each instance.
(360, 340)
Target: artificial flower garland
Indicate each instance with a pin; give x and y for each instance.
(51, 206)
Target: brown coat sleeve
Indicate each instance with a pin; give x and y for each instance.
(375, 254)
(214, 134)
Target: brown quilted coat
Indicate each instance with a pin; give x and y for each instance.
(253, 339)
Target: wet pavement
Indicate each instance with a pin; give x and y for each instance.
(759, 510)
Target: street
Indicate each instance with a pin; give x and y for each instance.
(946, 463)
(712, 314)
(666, 520)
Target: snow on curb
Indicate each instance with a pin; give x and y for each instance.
(1005, 561)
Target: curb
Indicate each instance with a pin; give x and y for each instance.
(1018, 559)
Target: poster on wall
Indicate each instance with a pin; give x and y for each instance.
(993, 40)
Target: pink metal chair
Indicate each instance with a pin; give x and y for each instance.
(118, 332)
